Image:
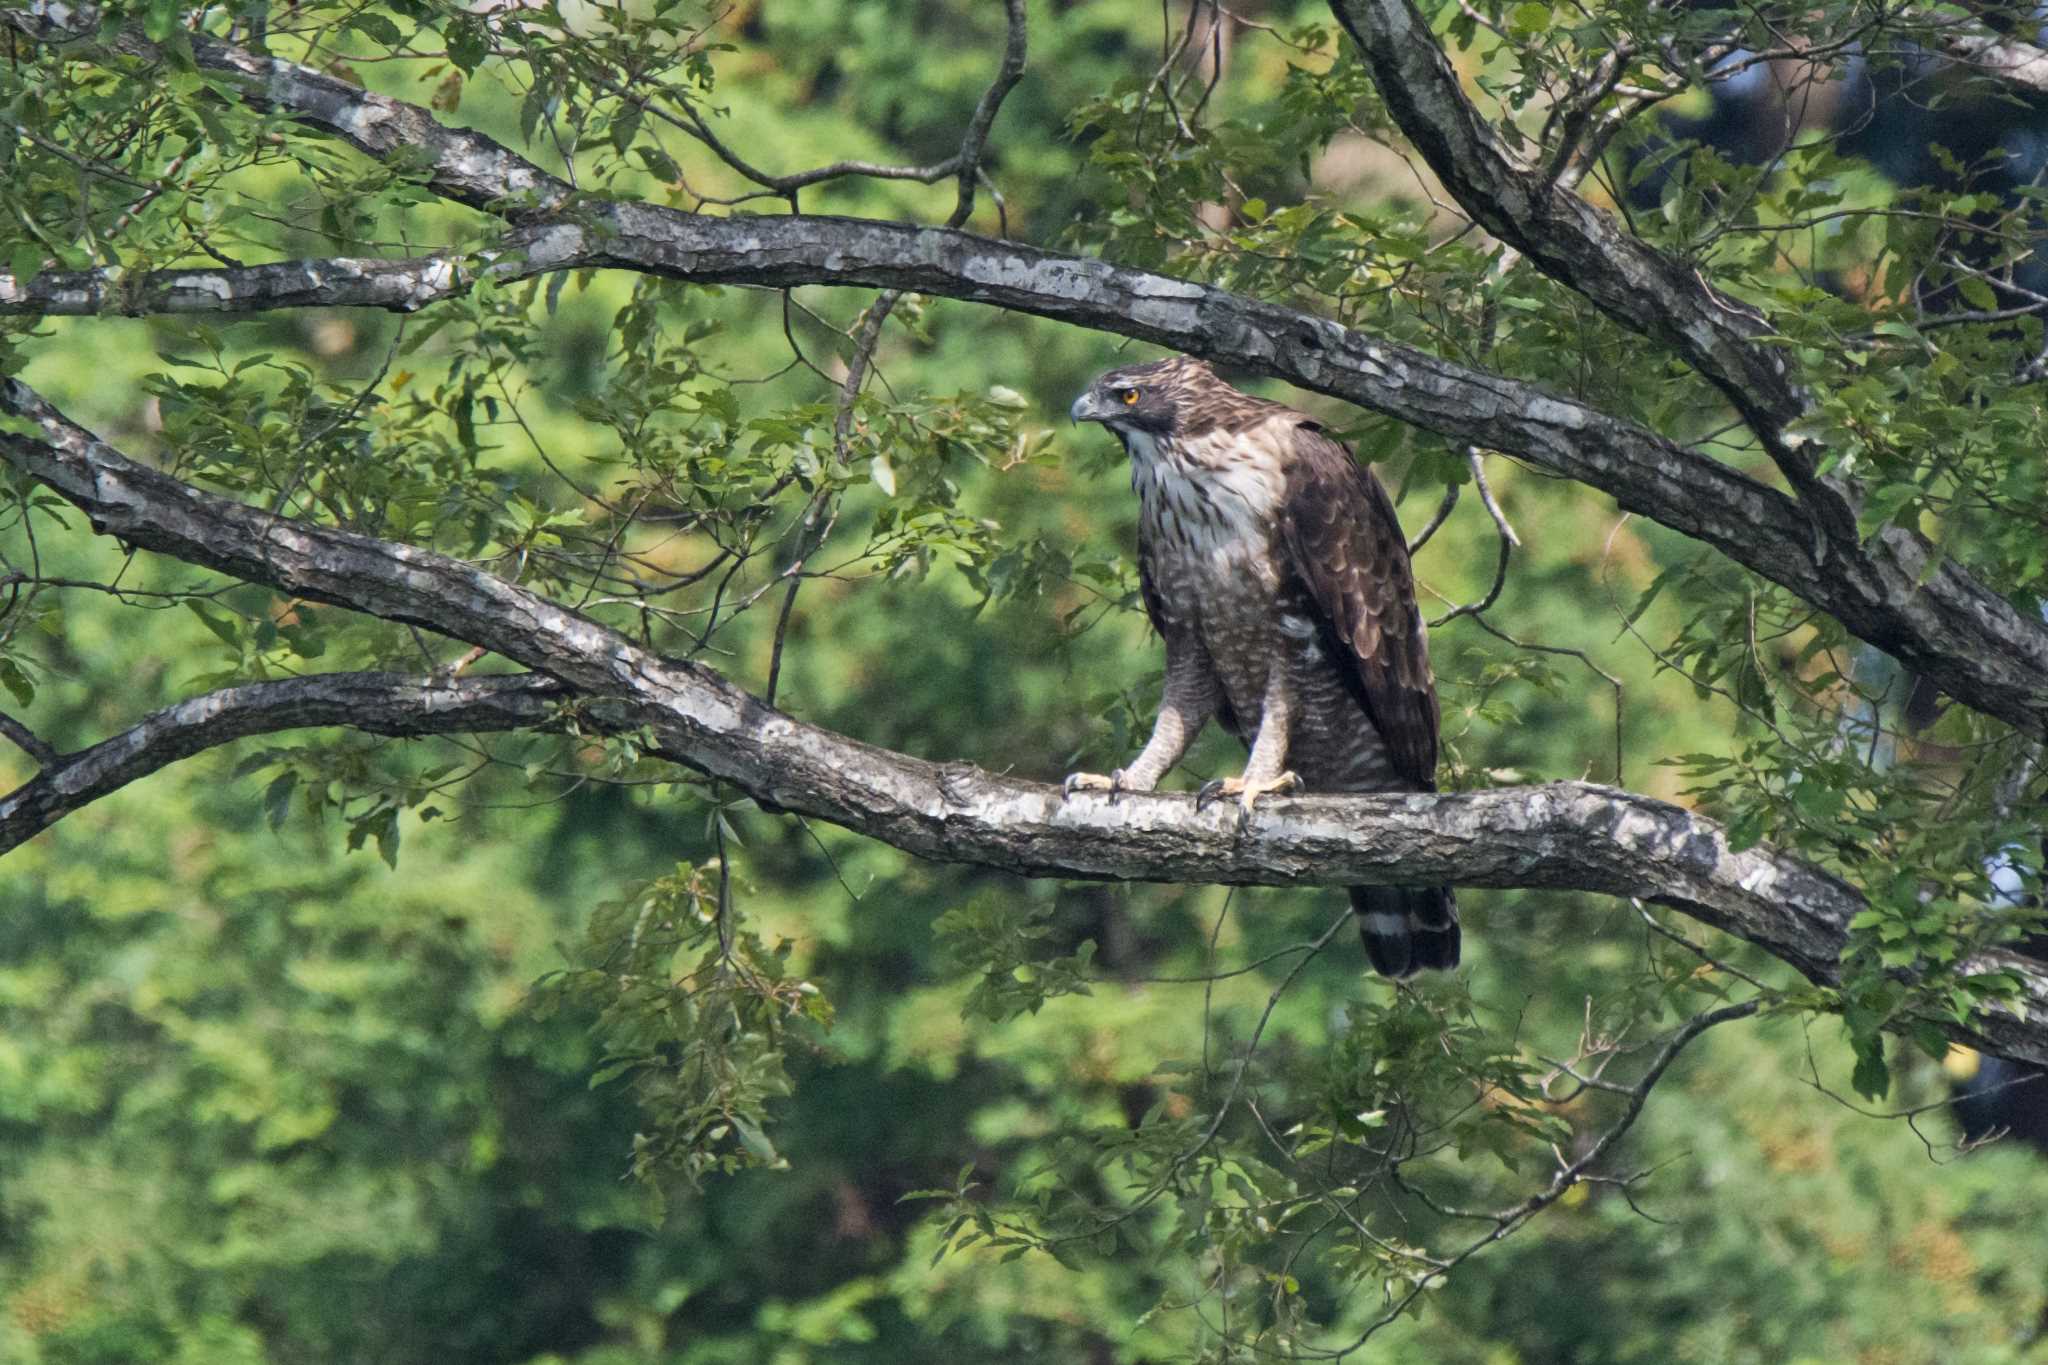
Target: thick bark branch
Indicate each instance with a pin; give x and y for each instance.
(1668, 300)
(2004, 59)
(1563, 235)
(380, 703)
(1661, 296)
(1971, 642)
(399, 286)
(1567, 835)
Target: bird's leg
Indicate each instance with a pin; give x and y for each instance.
(1172, 731)
(1192, 695)
(1266, 770)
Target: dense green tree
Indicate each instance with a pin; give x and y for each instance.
(580, 486)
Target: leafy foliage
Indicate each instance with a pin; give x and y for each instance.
(338, 1047)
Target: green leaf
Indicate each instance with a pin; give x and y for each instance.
(626, 127)
(25, 262)
(277, 798)
(16, 681)
(658, 164)
(217, 621)
(1872, 1079)
(374, 25)
(755, 1141)
(468, 43)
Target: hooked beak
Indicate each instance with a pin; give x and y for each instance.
(1090, 407)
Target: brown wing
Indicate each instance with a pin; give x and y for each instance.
(1340, 538)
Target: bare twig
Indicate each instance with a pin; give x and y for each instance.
(1436, 518)
(28, 741)
(1508, 1220)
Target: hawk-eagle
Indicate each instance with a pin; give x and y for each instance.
(1274, 568)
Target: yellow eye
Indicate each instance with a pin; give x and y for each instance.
(1128, 396)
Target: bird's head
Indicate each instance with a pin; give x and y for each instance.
(1140, 399)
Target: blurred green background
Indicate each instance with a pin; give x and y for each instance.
(267, 1098)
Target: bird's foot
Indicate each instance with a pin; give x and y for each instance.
(1094, 782)
(1247, 793)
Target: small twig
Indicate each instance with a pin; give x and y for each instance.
(1583, 658)
(823, 513)
(796, 581)
(1489, 332)
(1574, 1173)
(1160, 1186)
(1437, 518)
(1509, 541)
(973, 143)
(1500, 520)
(1695, 949)
(29, 742)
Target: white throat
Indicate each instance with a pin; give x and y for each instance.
(1203, 492)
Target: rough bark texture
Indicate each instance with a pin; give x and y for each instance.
(400, 286)
(1560, 233)
(1566, 836)
(2015, 63)
(1951, 628)
(378, 703)
(1888, 591)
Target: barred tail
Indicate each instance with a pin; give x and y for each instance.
(1407, 929)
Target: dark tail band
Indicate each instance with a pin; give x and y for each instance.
(1407, 929)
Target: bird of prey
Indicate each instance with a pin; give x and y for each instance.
(1273, 566)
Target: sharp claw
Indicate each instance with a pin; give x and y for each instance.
(1093, 782)
(1247, 794)
(1286, 782)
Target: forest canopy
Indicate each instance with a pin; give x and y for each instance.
(548, 594)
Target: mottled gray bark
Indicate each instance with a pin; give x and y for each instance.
(2015, 63)
(1560, 233)
(375, 702)
(1950, 627)
(1562, 836)
(1874, 588)
(399, 286)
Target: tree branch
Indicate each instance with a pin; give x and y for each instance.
(1577, 1172)
(1566, 836)
(975, 140)
(2003, 59)
(1581, 247)
(400, 286)
(380, 703)
(1969, 640)
(28, 741)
